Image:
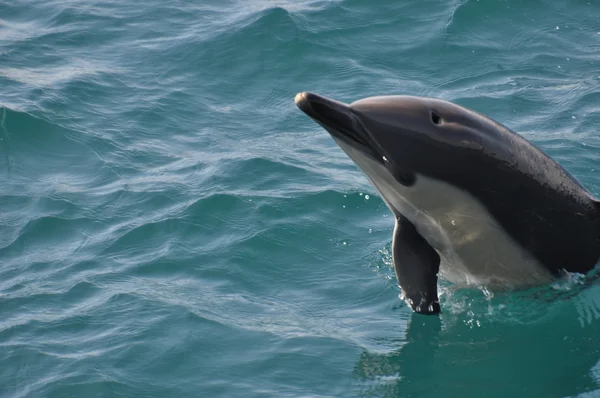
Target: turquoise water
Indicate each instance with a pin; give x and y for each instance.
(171, 225)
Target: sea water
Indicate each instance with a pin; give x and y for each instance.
(171, 225)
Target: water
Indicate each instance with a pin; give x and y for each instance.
(172, 225)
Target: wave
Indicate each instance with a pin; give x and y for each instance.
(40, 153)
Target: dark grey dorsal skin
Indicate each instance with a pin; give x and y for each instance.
(465, 190)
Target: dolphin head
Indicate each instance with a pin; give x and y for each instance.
(409, 135)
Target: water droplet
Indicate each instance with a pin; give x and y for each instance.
(367, 197)
(344, 243)
(557, 28)
(573, 117)
(558, 66)
(344, 206)
(370, 230)
(345, 196)
(360, 194)
(488, 295)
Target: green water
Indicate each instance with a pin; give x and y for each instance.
(171, 225)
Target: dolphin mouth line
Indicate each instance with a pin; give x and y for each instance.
(340, 121)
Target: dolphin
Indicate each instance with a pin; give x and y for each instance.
(474, 202)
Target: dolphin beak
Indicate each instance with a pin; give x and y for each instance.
(326, 111)
(311, 103)
(338, 119)
(301, 100)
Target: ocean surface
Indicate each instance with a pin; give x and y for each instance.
(171, 225)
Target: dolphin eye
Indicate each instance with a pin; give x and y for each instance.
(435, 118)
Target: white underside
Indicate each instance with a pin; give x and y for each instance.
(473, 247)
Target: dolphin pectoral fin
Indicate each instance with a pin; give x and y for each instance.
(417, 265)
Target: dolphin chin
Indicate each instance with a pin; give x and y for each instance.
(474, 202)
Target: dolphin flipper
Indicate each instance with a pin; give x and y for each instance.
(417, 265)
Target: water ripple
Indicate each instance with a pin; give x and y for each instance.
(172, 225)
